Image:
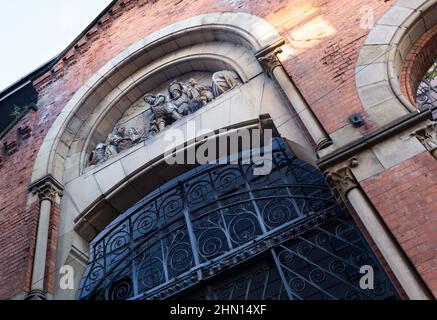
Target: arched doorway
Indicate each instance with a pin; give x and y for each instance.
(220, 232)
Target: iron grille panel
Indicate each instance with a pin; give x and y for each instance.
(216, 218)
(426, 96)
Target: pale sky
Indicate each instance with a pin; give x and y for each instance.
(34, 31)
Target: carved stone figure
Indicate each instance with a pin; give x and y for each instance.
(223, 81)
(162, 110)
(153, 129)
(99, 155)
(120, 139)
(200, 93)
(179, 98)
(134, 135)
(111, 149)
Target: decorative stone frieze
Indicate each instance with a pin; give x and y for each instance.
(182, 99)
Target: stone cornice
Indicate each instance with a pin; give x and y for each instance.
(373, 138)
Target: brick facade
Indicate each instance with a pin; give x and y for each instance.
(325, 43)
(406, 198)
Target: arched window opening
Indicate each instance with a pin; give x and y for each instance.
(220, 232)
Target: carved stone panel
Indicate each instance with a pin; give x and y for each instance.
(168, 103)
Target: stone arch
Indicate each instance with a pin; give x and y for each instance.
(216, 41)
(381, 59)
(106, 113)
(243, 29)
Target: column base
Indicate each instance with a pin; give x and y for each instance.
(36, 295)
(324, 144)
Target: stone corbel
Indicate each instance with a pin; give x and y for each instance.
(428, 137)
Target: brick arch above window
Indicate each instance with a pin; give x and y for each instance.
(382, 58)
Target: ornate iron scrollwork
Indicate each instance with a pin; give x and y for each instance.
(185, 235)
(426, 97)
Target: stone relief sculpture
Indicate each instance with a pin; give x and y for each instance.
(164, 112)
(179, 98)
(223, 81)
(98, 155)
(183, 99)
(202, 94)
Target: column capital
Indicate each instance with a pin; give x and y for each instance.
(342, 180)
(427, 136)
(47, 188)
(270, 61)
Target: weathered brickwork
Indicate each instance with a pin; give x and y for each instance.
(324, 44)
(406, 198)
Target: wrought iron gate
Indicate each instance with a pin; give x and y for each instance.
(281, 236)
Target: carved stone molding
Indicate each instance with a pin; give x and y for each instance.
(428, 137)
(47, 188)
(342, 180)
(270, 61)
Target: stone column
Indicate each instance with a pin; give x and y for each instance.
(47, 189)
(347, 188)
(274, 68)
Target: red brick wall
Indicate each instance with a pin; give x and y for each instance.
(325, 37)
(323, 69)
(18, 222)
(406, 198)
